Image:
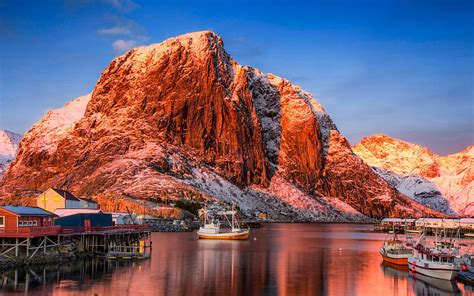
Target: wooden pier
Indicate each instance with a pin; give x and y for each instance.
(28, 242)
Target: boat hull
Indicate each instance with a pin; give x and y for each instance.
(243, 235)
(394, 259)
(436, 272)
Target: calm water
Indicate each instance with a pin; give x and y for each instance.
(279, 259)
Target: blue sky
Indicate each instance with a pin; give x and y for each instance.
(402, 68)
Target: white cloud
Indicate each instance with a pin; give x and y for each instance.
(121, 45)
(117, 30)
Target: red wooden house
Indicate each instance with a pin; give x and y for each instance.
(15, 217)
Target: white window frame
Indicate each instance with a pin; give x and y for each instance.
(20, 223)
(35, 223)
(3, 222)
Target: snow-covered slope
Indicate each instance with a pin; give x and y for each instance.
(8, 147)
(444, 183)
(182, 119)
(45, 135)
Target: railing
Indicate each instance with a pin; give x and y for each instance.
(34, 231)
(37, 231)
(104, 229)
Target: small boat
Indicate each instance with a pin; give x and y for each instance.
(394, 251)
(437, 262)
(212, 230)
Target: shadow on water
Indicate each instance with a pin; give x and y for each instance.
(73, 276)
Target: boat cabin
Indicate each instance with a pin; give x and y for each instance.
(14, 217)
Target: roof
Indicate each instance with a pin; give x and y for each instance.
(392, 220)
(88, 200)
(70, 212)
(27, 211)
(66, 194)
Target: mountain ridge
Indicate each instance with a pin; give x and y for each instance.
(446, 182)
(182, 119)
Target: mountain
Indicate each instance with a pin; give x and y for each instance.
(8, 147)
(444, 183)
(182, 119)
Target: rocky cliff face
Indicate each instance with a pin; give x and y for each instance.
(8, 147)
(445, 183)
(183, 119)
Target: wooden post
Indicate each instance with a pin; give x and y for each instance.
(16, 247)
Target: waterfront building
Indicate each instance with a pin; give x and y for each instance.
(14, 217)
(85, 220)
(53, 199)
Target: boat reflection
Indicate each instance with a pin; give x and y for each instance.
(425, 285)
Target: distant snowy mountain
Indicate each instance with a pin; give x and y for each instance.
(8, 147)
(444, 183)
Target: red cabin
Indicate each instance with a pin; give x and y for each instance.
(14, 218)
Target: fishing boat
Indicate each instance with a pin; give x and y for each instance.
(394, 251)
(212, 229)
(467, 267)
(437, 262)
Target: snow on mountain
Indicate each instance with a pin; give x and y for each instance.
(444, 183)
(182, 119)
(9, 142)
(45, 135)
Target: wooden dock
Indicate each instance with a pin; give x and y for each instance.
(27, 242)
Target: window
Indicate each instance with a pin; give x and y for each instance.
(2, 221)
(35, 223)
(20, 223)
(30, 223)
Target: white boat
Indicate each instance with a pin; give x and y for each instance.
(437, 262)
(394, 251)
(212, 230)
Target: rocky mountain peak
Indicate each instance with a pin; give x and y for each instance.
(9, 143)
(444, 182)
(181, 119)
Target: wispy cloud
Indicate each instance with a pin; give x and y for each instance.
(121, 45)
(126, 32)
(123, 5)
(117, 30)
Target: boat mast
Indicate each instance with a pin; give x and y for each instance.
(233, 216)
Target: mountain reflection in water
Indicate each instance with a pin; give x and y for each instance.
(279, 259)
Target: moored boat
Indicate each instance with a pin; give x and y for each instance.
(437, 261)
(212, 230)
(394, 251)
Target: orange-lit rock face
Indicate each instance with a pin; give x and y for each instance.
(449, 177)
(183, 119)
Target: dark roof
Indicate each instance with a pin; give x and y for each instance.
(88, 199)
(66, 194)
(29, 211)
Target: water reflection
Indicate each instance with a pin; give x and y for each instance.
(280, 259)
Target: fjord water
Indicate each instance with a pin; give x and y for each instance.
(279, 259)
